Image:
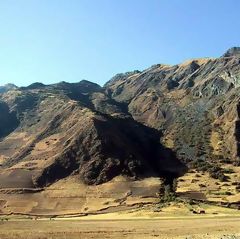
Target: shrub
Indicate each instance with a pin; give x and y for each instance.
(169, 192)
(228, 171)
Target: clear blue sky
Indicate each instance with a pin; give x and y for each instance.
(55, 40)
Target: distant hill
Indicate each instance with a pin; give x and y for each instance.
(7, 87)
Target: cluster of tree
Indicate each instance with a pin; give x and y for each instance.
(168, 191)
(215, 171)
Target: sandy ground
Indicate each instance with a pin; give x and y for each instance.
(226, 228)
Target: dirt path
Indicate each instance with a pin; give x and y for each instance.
(118, 229)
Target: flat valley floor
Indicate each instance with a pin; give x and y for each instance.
(78, 228)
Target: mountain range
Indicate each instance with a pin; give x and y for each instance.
(162, 122)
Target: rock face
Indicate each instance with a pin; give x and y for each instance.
(194, 104)
(8, 120)
(234, 51)
(76, 129)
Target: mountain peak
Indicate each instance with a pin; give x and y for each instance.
(234, 51)
(7, 87)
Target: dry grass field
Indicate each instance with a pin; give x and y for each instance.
(118, 209)
(226, 228)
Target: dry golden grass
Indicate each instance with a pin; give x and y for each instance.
(199, 61)
(200, 185)
(116, 229)
(122, 209)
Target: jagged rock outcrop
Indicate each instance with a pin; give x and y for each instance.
(234, 51)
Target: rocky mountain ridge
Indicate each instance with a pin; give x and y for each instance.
(139, 124)
(64, 129)
(195, 104)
